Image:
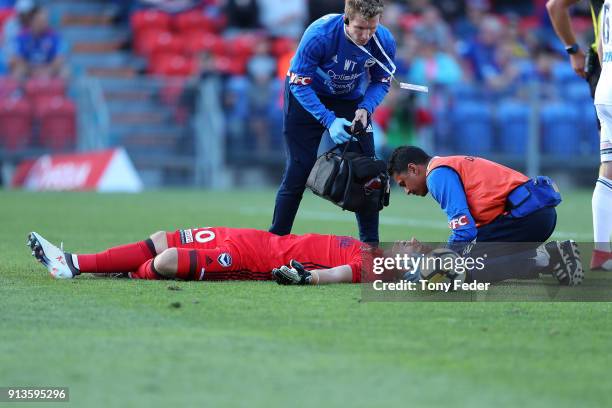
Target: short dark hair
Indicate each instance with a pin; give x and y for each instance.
(403, 156)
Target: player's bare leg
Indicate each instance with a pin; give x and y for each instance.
(166, 263)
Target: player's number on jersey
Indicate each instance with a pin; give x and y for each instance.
(606, 24)
(204, 236)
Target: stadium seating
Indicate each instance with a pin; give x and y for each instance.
(150, 19)
(562, 73)
(8, 86)
(188, 33)
(282, 46)
(15, 123)
(577, 91)
(169, 64)
(40, 90)
(194, 20)
(589, 129)
(560, 129)
(512, 123)
(57, 123)
(153, 41)
(197, 41)
(472, 128)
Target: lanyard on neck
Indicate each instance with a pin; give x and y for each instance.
(403, 85)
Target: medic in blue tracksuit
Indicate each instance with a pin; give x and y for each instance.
(341, 72)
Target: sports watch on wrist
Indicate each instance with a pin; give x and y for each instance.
(572, 49)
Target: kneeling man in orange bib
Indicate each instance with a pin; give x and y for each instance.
(487, 202)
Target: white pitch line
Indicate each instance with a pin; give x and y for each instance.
(392, 221)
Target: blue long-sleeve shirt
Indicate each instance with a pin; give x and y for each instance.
(446, 188)
(328, 64)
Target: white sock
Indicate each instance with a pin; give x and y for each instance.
(602, 214)
(75, 261)
(542, 257)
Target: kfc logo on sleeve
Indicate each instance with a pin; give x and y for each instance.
(457, 222)
(298, 79)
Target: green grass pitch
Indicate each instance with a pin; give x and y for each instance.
(121, 343)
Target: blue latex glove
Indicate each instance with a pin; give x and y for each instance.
(337, 132)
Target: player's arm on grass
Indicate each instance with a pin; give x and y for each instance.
(296, 274)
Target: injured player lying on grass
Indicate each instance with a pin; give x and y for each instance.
(220, 253)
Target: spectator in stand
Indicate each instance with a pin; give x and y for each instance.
(437, 68)
(14, 25)
(320, 8)
(432, 65)
(480, 53)
(284, 18)
(466, 28)
(506, 71)
(451, 9)
(512, 36)
(418, 6)
(242, 14)
(168, 6)
(435, 28)
(40, 50)
(261, 69)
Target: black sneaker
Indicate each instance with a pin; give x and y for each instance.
(565, 263)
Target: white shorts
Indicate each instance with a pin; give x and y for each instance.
(604, 113)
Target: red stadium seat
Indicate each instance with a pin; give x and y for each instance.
(172, 65)
(230, 66)
(5, 14)
(160, 42)
(408, 21)
(58, 123)
(145, 40)
(242, 46)
(198, 41)
(8, 86)
(194, 20)
(44, 87)
(40, 90)
(282, 46)
(150, 19)
(15, 123)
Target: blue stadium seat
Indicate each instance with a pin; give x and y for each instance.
(578, 92)
(562, 72)
(512, 122)
(590, 130)
(472, 128)
(462, 92)
(560, 129)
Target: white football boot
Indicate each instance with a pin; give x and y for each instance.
(50, 256)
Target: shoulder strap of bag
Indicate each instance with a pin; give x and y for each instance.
(349, 180)
(343, 150)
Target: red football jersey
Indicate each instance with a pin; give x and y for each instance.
(262, 251)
